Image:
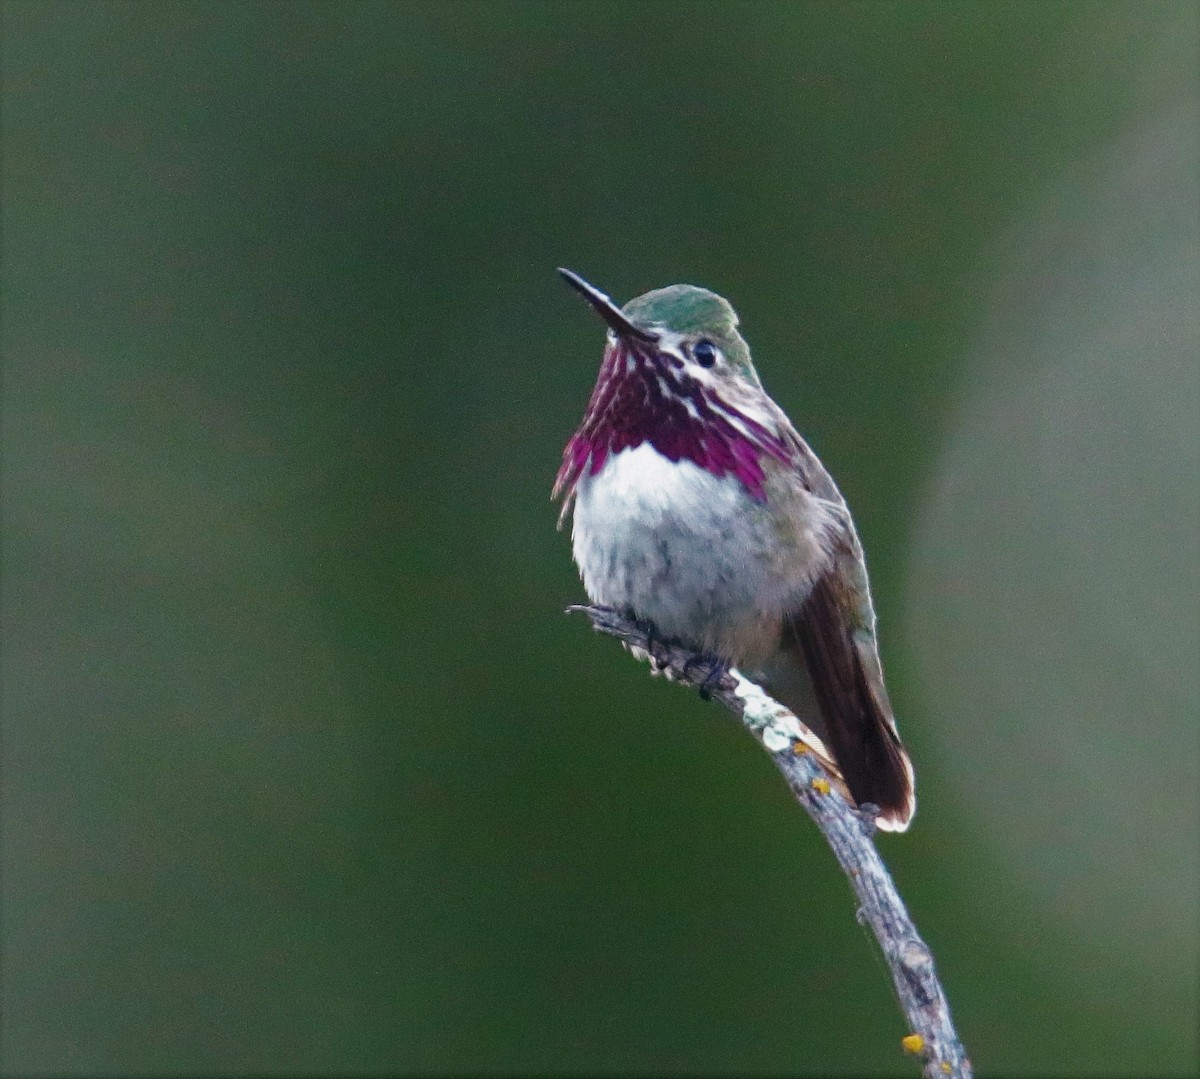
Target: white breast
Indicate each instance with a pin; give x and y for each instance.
(694, 553)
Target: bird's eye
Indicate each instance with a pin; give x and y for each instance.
(705, 352)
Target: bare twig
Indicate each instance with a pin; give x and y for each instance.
(847, 829)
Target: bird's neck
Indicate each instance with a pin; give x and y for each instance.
(645, 396)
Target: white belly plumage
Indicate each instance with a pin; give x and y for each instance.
(693, 553)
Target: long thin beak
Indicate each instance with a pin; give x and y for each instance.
(605, 308)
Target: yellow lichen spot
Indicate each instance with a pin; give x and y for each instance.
(821, 786)
(799, 748)
(914, 1043)
(945, 1066)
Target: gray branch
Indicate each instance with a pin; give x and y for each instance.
(846, 829)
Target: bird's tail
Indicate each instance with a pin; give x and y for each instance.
(821, 673)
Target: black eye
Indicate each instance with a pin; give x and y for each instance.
(705, 352)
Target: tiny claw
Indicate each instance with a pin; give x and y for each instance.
(717, 670)
(593, 611)
(650, 631)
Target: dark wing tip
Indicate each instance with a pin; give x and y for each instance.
(859, 726)
(897, 813)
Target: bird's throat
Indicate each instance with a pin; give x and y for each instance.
(644, 395)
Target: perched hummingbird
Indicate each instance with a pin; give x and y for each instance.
(699, 509)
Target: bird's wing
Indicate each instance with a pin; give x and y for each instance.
(832, 634)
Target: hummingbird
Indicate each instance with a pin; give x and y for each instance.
(698, 509)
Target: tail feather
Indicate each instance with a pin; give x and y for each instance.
(855, 718)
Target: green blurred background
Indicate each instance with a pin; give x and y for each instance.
(304, 769)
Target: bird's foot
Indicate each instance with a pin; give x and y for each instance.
(717, 670)
(650, 631)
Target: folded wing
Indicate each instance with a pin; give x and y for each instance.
(838, 651)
